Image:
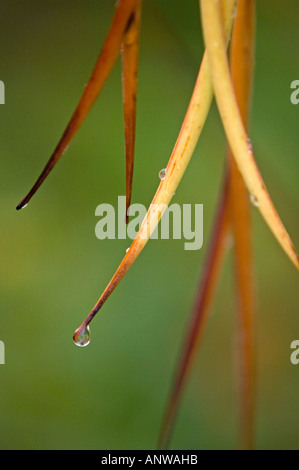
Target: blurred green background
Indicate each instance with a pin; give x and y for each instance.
(111, 395)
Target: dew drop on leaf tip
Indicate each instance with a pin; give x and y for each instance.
(82, 339)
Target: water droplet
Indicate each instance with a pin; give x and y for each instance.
(254, 200)
(250, 150)
(82, 338)
(162, 174)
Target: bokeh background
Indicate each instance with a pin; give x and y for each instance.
(111, 394)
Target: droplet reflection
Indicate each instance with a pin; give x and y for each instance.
(162, 174)
(82, 338)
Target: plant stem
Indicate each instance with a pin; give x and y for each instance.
(191, 129)
(233, 125)
(129, 50)
(207, 287)
(105, 62)
(242, 53)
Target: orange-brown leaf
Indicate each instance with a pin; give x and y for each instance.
(242, 52)
(105, 62)
(130, 50)
(207, 287)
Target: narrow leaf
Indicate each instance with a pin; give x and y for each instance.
(242, 52)
(233, 125)
(234, 203)
(191, 129)
(105, 62)
(207, 288)
(130, 49)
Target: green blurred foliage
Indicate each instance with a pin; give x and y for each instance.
(111, 395)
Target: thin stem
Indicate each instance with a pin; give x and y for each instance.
(105, 62)
(207, 288)
(191, 129)
(234, 203)
(233, 125)
(242, 53)
(130, 49)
